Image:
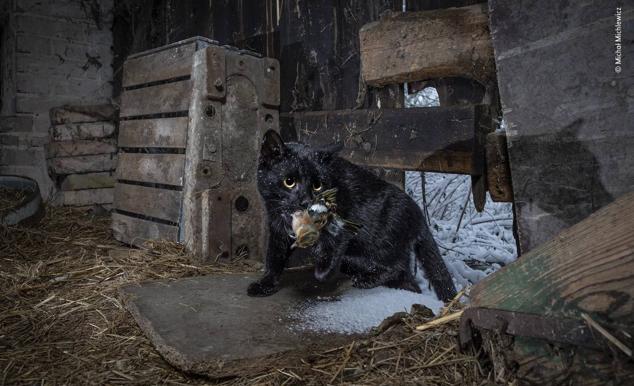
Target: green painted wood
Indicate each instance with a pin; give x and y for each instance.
(588, 267)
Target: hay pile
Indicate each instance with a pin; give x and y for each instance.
(61, 321)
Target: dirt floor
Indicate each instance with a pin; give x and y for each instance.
(61, 321)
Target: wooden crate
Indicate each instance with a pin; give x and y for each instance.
(192, 117)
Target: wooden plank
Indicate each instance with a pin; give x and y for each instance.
(153, 168)
(88, 181)
(79, 131)
(136, 231)
(428, 139)
(319, 54)
(404, 47)
(80, 147)
(498, 171)
(163, 204)
(83, 164)
(82, 113)
(588, 267)
(159, 99)
(160, 132)
(577, 144)
(87, 197)
(167, 64)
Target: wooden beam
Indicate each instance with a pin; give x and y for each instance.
(439, 139)
(498, 171)
(405, 47)
(586, 268)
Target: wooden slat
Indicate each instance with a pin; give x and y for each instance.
(171, 63)
(154, 168)
(153, 202)
(160, 132)
(588, 267)
(88, 181)
(78, 131)
(414, 46)
(427, 139)
(80, 147)
(159, 99)
(83, 164)
(135, 231)
(498, 171)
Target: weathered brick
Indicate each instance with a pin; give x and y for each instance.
(16, 123)
(19, 155)
(77, 52)
(23, 139)
(66, 9)
(83, 113)
(29, 103)
(45, 66)
(80, 147)
(88, 181)
(61, 8)
(87, 130)
(27, 83)
(74, 86)
(83, 164)
(10, 139)
(50, 27)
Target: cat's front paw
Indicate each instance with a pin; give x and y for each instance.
(262, 288)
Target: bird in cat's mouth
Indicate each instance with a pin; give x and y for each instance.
(307, 224)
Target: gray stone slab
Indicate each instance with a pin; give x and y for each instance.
(209, 326)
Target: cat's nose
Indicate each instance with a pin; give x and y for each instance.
(306, 203)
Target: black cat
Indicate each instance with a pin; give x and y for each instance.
(380, 253)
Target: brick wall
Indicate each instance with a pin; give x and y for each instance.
(53, 53)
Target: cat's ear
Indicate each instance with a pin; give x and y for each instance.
(272, 146)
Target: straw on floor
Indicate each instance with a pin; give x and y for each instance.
(61, 321)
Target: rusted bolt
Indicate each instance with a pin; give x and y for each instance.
(218, 84)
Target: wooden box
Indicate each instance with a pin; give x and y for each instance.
(192, 117)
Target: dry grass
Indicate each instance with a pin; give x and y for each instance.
(9, 198)
(61, 321)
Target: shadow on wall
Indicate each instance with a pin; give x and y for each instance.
(566, 185)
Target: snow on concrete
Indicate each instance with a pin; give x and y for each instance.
(358, 310)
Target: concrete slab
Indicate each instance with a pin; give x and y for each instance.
(209, 326)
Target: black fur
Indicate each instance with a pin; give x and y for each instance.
(379, 254)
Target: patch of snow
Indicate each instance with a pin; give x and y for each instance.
(472, 244)
(358, 310)
(475, 246)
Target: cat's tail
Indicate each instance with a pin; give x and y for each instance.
(434, 266)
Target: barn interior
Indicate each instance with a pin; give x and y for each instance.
(131, 224)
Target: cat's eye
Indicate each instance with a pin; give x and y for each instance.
(290, 182)
(317, 186)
